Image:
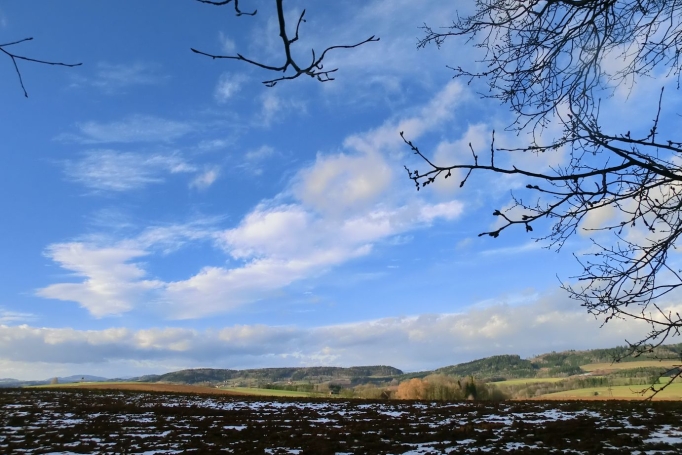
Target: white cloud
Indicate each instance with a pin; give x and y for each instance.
(111, 283)
(276, 232)
(341, 182)
(114, 78)
(227, 45)
(387, 69)
(511, 250)
(341, 213)
(284, 244)
(135, 128)
(209, 145)
(424, 341)
(7, 317)
(111, 279)
(274, 107)
(336, 183)
(173, 237)
(123, 171)
(228, 85)
(254, 159)
(206, 178)
(259, 154)
(432, 115)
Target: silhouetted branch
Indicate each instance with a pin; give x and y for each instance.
(14, 57)
(543, 57)
(639, 177)
(539, 54)
(225, 2)
(313, 69)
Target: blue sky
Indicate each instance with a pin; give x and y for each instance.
(162, 210)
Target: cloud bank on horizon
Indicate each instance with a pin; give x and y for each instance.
(167, 211)
(419, 342)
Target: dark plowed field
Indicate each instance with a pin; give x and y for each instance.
(76, 421)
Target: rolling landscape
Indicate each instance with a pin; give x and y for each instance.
(570, 402)
(588, 374)
(297, 227)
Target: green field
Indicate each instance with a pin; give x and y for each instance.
(624, 392)
(523, 381)
(272, 392)
(241, 390)
(631, 365)
(77, 384)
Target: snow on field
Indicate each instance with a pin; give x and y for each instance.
(108, 422)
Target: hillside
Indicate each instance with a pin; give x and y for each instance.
(81, 377)
(494, 368)
(498, 366)
(9, 382)
(553, 364)
(351, 376)
(577, 358)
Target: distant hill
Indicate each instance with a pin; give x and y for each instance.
(553, 364)
(577, 358)
(494, 368)
(352, 375)
(147, 378)
(9, 382)
(6, 383)
(507, 366)
(81, 377)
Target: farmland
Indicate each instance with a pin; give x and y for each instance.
(73, 420)
(609, 366)
(671, 392)
(142, 387)
(555, 375)
(273, 392)
(180, 388)
(520, 381)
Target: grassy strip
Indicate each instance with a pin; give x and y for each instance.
(526, 381)
(272, 392)
(189, 388)
(631, 365)
(77, 384)
(623, 392)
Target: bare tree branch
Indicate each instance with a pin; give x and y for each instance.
(538, 54)
(541, 57)
(226, 2)
(313, 69)
(14, 57)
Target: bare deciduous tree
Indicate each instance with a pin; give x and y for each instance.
(546, 60)
(290, 68)
(538, 54)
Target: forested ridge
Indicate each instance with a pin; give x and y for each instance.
(268, 375)
(490, 369)
(494, 368)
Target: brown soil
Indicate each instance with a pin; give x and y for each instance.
(589, 398)
(124, 421)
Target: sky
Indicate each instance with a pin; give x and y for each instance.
(162, 210)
